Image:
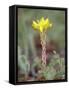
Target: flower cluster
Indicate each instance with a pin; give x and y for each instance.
(42, 25)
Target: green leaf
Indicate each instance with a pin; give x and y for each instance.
(49, 73)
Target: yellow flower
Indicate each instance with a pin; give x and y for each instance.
(42, 25)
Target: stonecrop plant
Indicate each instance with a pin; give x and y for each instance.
(42, 26)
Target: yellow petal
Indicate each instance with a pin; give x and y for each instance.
(42, 19)
(35, 25)
(41, 29)
(51, 25)
(37, 21)
(47, 21)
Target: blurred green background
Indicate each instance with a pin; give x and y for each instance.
(29, 47)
